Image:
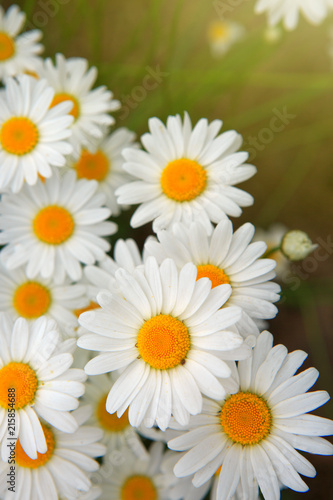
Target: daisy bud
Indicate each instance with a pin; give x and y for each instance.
(296, 245)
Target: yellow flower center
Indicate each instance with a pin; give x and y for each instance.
(218, 31)
(92, 165)
(18, 136)
(58, 98)
(138, 488)
(214, 273)
(7, 47)
(53, 225)
(90, 307)
(22, 378)
(110, 421)
(163, 342)
(22, 459)
(246, 418)
(183, 180)
(31, 300)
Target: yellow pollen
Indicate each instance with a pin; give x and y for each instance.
(22, 459)
(53, 225)
(62, 97)
(90, 307)
(18, 136)
(214, 273)
(183, 180)
(217, 473)
(92, 166)
(138, 488)
(163, 342)
(31, 73)
(31, 300)
(7, 47)
(23, 379)
(110, 421)
(246, 418)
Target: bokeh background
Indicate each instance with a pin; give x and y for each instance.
(246, 88)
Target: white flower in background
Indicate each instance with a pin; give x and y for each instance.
(288, 11)
(255, 431)
(63, 470)
(186, 174)
(273, 34)
(130, 478)
(55, 226)
(73, 81)
(36, 372)
(118, 433)
(222, 35)
(273, 238)
(165, 331)
(32, 137)
(229, 258)
(18, 53)
(104, 165)
(296, 245)
(30, 299)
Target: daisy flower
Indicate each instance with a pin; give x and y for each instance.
(186, 174)
(131, 478)
(118, 433)
(288, 11)
(35, 381)
(104, 165)
(73, 81)
(225, 257)
(55, 226)
(222, 35)
(273, 238)
(62, 471)
(165, 331)
(18, 53)
(32, 137)
(254, 432)
(30, 299)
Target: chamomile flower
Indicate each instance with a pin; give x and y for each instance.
(222, 35)
(18, 53)
(104, 165)
(130, 478)
(254, 432)
(165, 331)
(35, 382)
(73, 81)
(288, 11)
(225, 257)
(55, 226)
(32, 137)
(186, 174)
(118, 433)
(30, 299)
(62, 471)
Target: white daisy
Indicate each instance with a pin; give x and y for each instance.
(63, 470)
(32, 137)
(18, 53)
(55, 226)
(36, 372)
(186, 174)
(288, 11)
(255, 431)
(104, 164)
(73, 81)
(165, 330)
(20, 296)
(225, 257)
(118, 433)
(222, 35)
(130, 478)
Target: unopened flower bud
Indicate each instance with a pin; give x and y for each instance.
(296, 245)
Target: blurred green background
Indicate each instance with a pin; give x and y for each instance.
(129, 39)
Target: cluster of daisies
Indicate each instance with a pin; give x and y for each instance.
(101, 355)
